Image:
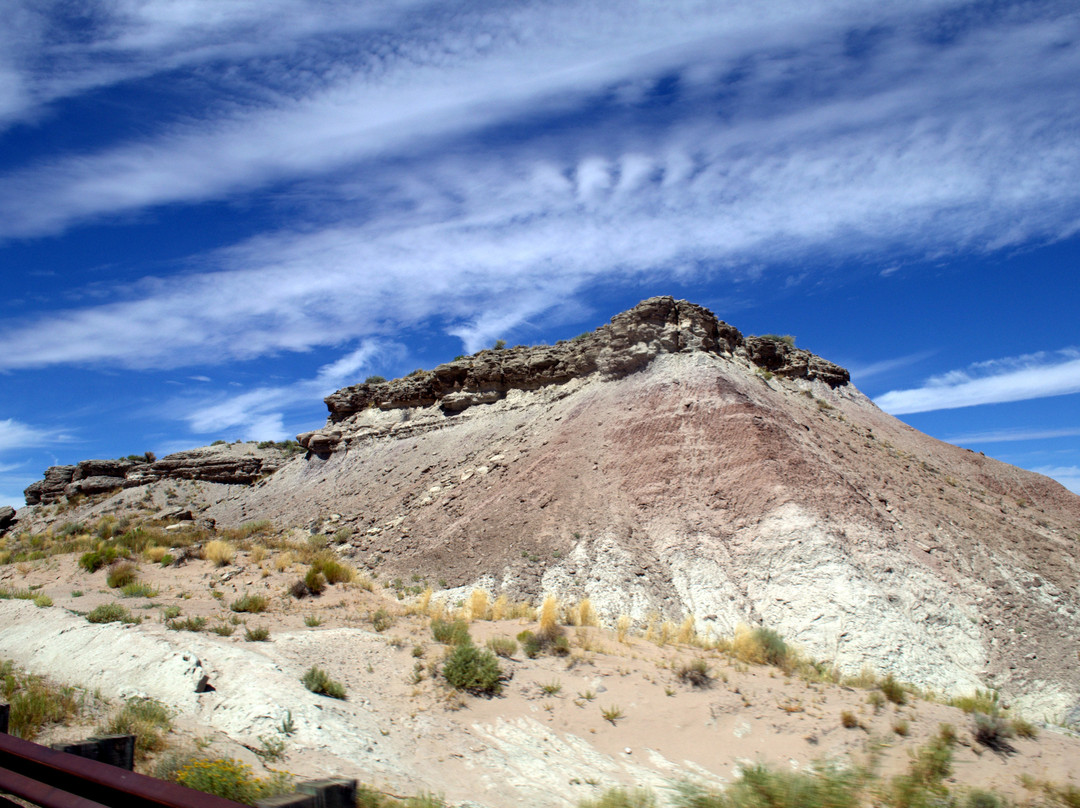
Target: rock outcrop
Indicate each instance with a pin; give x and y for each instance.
(234, 464)
(7, 518)
(659, 325)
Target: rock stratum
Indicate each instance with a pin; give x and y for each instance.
(665, 465)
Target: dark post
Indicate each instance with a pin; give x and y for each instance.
(336, 792)
(287, 801)
(5, 712)
(116, 750)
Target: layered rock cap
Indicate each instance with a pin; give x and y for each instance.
(627, 344)
(240, 464)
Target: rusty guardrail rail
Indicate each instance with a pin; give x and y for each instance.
(54, 779)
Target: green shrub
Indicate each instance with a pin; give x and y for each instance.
(992, 731)
(531, 645)
(148, 720)
(981, 701)
(450, 633)
(317, 681)
(95, 560)
(250, 603)
(762, 787)
(774, 650)
(111, 613)
(381, 620)
(473, 670)
(502, 646)
(41, 600)
(121, 574)
(257, 634)
(621, 798)
(232, 780)
(315, 581)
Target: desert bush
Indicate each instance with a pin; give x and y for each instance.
(848, 720)
(35, 702)
(186, 624)
(250, 603)
(381, 620)
(549, 619)
(41, 600)
(155, 554)
(298, 589)
(992, 731)
(893, 690)
(695, 673)
(257, 634)
(984, 799)
(315, 581)
(531, 645)
(981, 701)
(759, 786)
(111, 613)
(247, 530)
(148, 720)
(1024, 728)
(232, 780)
(622, 627)
(96, 559)
(121, 573)
(333, 570)
(760, 646)
(224, 629)
(450, 633)
(312, 621)
(474, 670)
(502, 646)
(621, 798)
(220, 552)
(138, 589)
(317, 681)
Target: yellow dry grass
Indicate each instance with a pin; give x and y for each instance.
(687, 634)
(549, 616)
(282, 561)
(479, 605)
(622, 628)
(220, 552)
(155, 554)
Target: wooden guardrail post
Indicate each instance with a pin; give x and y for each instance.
(116, 750)
(5, 713)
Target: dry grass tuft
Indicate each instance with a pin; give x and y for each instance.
(284, 560)
(479, 606)
(622, 627)
(549, 617)
(687, 634)
(220, 552)
(155, 554)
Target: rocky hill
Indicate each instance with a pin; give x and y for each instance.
(665, 465)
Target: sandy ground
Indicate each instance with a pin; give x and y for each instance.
(544, 741)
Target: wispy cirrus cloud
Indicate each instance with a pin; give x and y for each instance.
(260, 413)
(476, 173)
(993, 382)
(17, 435)
(1011, 435)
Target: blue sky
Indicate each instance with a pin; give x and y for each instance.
(213, 214)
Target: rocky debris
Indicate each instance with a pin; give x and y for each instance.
(783, 359)
(7, 517)
(234, 464)
(628, 343)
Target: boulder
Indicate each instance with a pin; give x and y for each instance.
(7, 517)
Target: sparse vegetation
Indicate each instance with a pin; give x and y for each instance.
(148, 720)
(232, 780)
(35, 702)
(695, 673)
(138, 589)
(111, 613)
(257, 634)
(317, 681)
(450, 633)
(121, 574)
(502, 646)
(253, 604)
(612, 714)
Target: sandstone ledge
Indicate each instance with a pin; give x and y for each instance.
(627, 344)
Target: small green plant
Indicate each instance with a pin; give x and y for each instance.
(474, 670)
(76, 593)
(695, 673)
(893, 690)
(270, 749)
(848, 720)
(35, 702)
(312, 621)
(381, 620)
(624, 798)
(170, 612)
(317, 681)
(250, 603)
(450, 633)
(257, 634)
(224, 629)
(41, 600)
(166, 560)
(187, 624)
(992, 731)
(111, 613)
(148, 720)
(138, 589)
(315, 581)
(552, 688)
(502, 646)
(612, 713)
(1024, 728)
(901, 727)
(95, 560)
(588, 695)
(288, 726)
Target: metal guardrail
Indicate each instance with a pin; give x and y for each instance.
(54, 779)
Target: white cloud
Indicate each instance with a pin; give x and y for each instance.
(859, 373)
(17, 435)
(993, 382)
(259, 414)
(1068, 476)
(969, 146)
(1009, 435)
